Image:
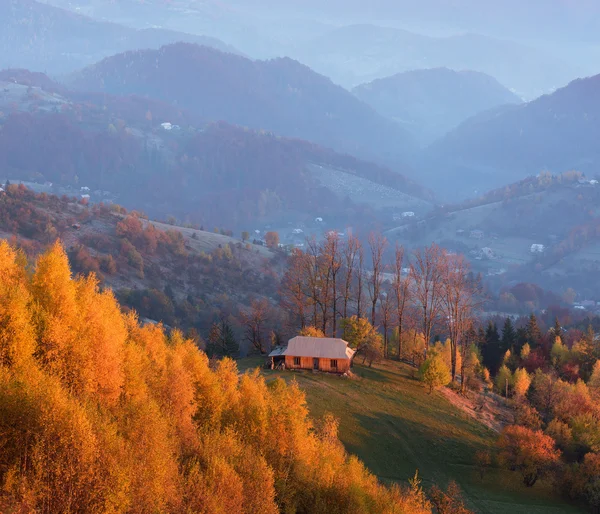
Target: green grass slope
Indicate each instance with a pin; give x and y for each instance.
(390, 422)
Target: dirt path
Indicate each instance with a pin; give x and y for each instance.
(487, 408)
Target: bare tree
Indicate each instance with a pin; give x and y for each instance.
(460, 299)
(360, 274)
(331, 268)
(351, 251)
(427, 274)
(313, 278)
(253, 321)
(401, 291)
(385, 314)
(293, 290)
(377, 244)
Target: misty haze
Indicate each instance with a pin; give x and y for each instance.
(299, 256)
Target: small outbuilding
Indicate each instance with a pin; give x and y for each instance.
(315, 353)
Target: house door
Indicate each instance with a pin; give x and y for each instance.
(315, 363)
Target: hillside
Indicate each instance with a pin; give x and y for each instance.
(42, 37)
(556, 132)
(279, 95)
(497, 230)
(219, 174)
(355, 54)
(181, 276)
(432, 102)
(388, 419)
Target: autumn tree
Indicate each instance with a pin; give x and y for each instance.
(450, 501)
(363, 337)
(272, 240)
(504, 380)
(521, 382)
(311, 331)
(434, 372)
(530, 452)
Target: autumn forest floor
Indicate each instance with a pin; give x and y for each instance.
(388, 419)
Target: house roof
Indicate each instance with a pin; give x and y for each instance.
(316, 347)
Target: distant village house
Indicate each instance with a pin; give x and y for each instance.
(314, 353)
(537, 248)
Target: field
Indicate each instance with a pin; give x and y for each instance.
(389, 421)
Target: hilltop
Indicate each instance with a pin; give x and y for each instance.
(280, 95)
(556, 132)
(431, 102)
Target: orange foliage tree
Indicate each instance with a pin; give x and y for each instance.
(529, 451)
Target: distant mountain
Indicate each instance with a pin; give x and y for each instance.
(46, 38)
(279, 95)
(149, 155)
(432, 102)
(355, 54)
(556, 132)
(568, 19)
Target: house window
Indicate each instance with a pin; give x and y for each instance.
(333, 364)
(296, 361)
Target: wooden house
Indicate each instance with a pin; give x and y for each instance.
(315, 353)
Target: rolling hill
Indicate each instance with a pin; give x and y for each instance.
(279, 95)
(556, 132)
(42, 37)
(432, 102)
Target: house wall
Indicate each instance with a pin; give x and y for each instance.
(343, 365)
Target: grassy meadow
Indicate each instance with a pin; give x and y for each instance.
(389, 420)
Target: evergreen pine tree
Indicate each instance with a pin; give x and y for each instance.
(534, 334)
(558, 331)
(509, 336)
(491, 350)
(230, 346)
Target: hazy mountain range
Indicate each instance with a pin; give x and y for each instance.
(360, 53)
(45, 38)
(280, 95)
(556, 132)
(432, 102)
